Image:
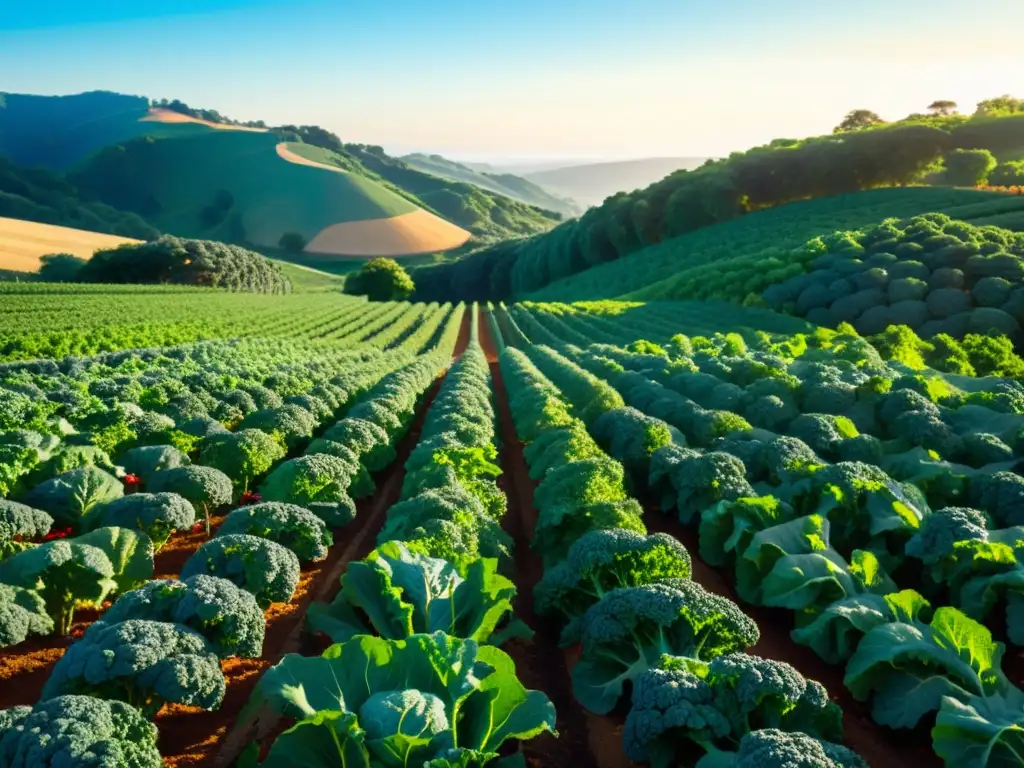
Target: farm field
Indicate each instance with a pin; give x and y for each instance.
(263, 492)
(23, 242)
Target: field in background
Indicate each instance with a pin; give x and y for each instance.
(23, 242)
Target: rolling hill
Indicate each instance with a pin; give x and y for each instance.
(196, 177)
(507, 184)
(592, 184)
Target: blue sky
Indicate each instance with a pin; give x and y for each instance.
(530, 78)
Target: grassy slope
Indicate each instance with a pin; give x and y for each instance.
(655, 272)
(506, 184)
(308, 280)
(272, 195)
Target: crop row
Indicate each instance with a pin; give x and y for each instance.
(626, 599)
(415, 624)
(170, 635)
(812, 471)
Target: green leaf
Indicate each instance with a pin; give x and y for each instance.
(911, 666)
(982, 732)
(834, 633)
(130, 552)
(503, 709)
(328, 739)
(802, 536)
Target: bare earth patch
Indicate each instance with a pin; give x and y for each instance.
(23, 242)
(405, 235)
(170, 116)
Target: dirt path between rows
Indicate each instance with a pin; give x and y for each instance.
(371, 513)
(585, 740)
(882, 747)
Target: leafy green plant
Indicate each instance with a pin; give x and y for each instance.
(462, 701)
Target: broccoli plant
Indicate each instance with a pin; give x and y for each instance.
(289, 525)
(983, 731)
(974, 568)
(319, 482)
(243, 455)
(911, 665)
(727, 527)
(369, 441)
(22, 613)
(361, 485)
(601, 561)
(630, 629)
(144, 461)
(227, 616)
(631, 437)
(16, 464)
(292, 425)
(73, 495)
(158, 515)
(428, 699)
(261, 567)
(18, 525)
(447, 523)
(401, 593)
(703, 480)
(66, 574)
(1000, 494)
(205, 487)
(77, 731)
(142, 663)
(714, 706)
(773, 748)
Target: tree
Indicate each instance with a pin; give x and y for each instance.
(380, 280)
(292, 242)
(1009, 174)
(1002, 105)
(60, 267)
(942, 107)
(968, 167)
(857, 119)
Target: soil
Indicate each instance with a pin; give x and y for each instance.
(584, 740)
(222, 745)
(880, 746)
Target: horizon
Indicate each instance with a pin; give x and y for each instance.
(579, 83)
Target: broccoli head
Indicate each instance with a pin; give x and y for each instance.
(556, 531)
(603, 560)
(228, 617)
(317, 482)
(22, 613)
(205, 487)
(158, 515)
(292, 526)
(368, 440)
(704, 480)
(415, 719)
(772, 748)
(1000, 494)
(420, 521)
(630, 629)
(942, 529)
(142, 663)
(822, 432)
(145, 460)
(243, 455)
(714, 705)
(18, 524)
(981, 448)
(670, 706)
(80, 731)
(261, 567)
(291, 424)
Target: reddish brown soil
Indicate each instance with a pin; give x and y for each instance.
(221, 747)
(584, 740)
(882, 747)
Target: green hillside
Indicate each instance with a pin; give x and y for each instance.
(783, 172)
(508, 184)
(172, 182)
(57, 132)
